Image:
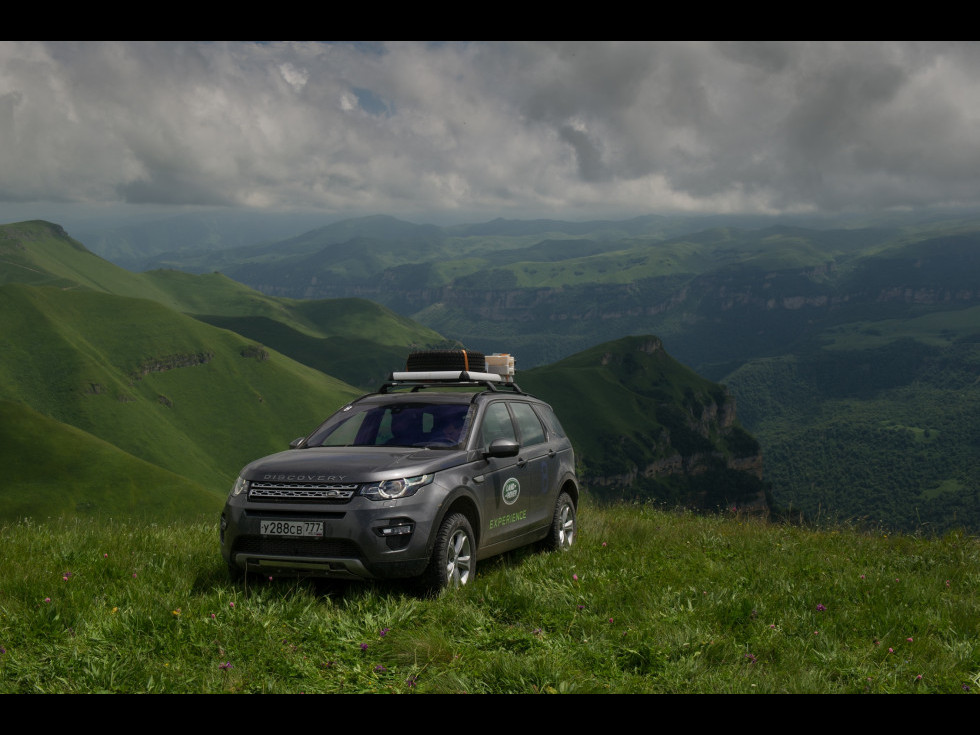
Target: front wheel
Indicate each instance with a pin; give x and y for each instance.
(453, 561)
(563, 527)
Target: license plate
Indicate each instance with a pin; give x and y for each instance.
(292, 528)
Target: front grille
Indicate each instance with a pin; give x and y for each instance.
(334, 548)
(308, 492)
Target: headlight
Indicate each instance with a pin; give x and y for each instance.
(240, 484)
(391, 489)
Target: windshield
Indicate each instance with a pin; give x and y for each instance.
(433, 425)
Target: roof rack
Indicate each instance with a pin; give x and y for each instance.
(447, 379)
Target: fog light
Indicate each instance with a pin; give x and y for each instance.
(400, 530)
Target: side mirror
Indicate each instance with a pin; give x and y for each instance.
(296, 442)
(502, 448)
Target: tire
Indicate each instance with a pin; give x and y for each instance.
(236, 573)
(427, 360)
(564, 527)
(453, 562)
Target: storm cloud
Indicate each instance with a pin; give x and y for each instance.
(511, 129)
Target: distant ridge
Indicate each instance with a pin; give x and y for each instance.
(646, 427)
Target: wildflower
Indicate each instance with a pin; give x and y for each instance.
(105, 556)
(919, 677)
(2, 650)
(115, 610)
(821, 608)
(384, 632)
(772, 626)
(411, 681)
(862, 576)
(610, 620)
(47, 599)
(176, 612)
(891, 650)
(212, 616)
(947, 583)
(966, 687)
(380, 669)
(575, 578)
(603, 544)
(537, 631)
(909, 639)
(134, 575)
(364, 646)
(896, 579)
(270, 579)
(751, 658)
(225, 666)
(231, 605)
(581, 607)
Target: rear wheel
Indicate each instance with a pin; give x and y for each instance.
(453, 561)
(563, 525)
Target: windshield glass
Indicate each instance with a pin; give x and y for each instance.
(433, 425)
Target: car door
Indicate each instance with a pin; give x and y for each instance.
(505, 482)
(541, 464)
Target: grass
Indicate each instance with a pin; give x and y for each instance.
(647, 601)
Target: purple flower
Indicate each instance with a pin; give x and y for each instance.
(364, 646)
(821, 608)
(380, 669)
(225, 666)
(384, 631)
(411, 681)
(47, 599)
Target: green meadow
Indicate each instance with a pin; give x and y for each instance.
(647, 601)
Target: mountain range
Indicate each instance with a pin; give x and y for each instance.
(145, 393)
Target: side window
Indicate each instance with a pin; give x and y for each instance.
(496, 424)
(547, 416)
(527, 421)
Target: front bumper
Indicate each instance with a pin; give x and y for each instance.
(362, 539)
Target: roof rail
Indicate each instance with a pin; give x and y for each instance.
(463, 380)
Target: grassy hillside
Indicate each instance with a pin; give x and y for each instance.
(41, 253)
(52, 469)
(627, 406)
(645, 602)
(187, 397)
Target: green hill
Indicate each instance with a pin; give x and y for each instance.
(41, 253)
(645, 426)
(185, 396)
(53, 469)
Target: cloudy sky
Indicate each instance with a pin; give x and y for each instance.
(481, 130)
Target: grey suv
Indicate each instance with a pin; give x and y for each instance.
(421, 479)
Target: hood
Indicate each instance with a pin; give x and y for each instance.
(351, 464)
